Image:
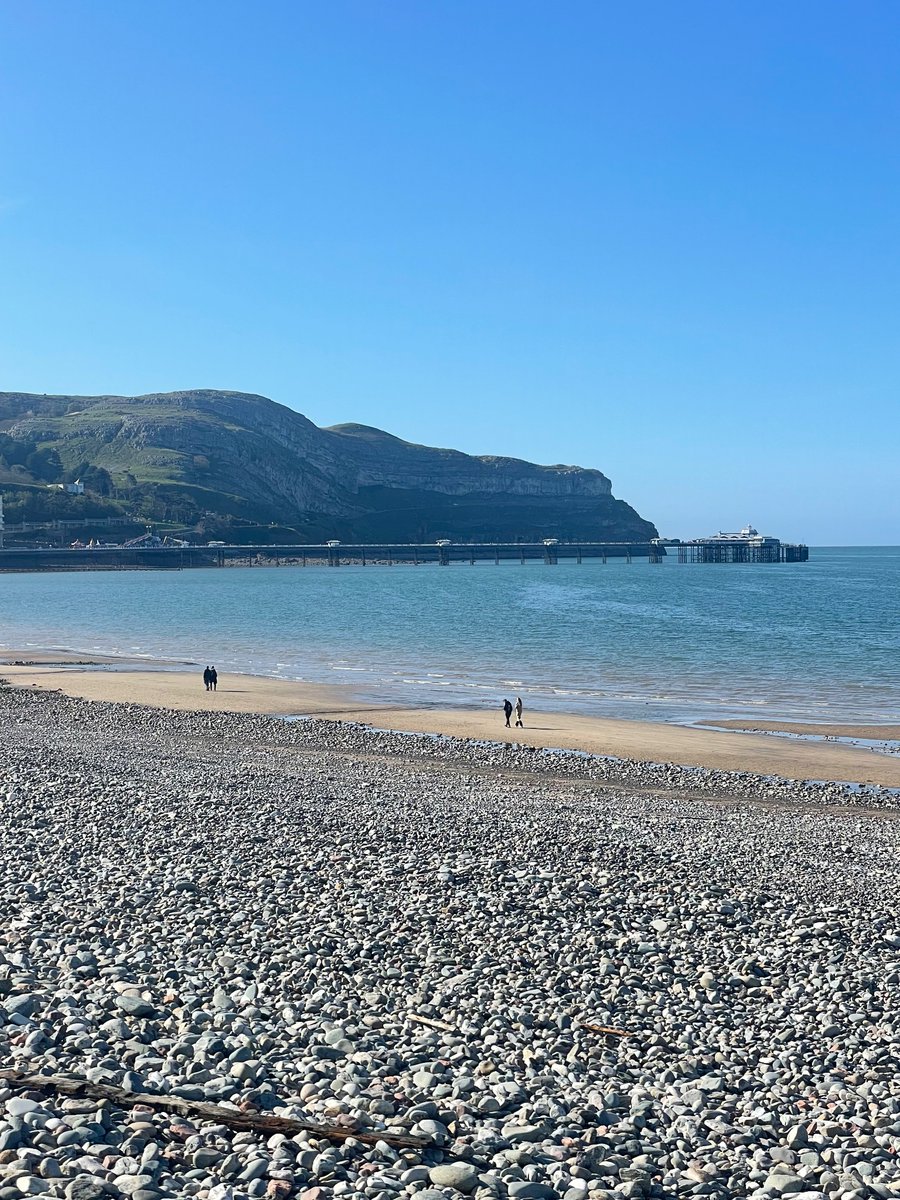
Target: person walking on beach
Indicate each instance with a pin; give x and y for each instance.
(213, 677)
(507, 711)
(519, 707)
(207, 680)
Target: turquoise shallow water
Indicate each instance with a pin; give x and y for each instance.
(817, 640)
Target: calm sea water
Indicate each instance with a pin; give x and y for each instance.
(664, 642)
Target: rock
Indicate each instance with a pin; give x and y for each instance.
(254, 1170)
(18, 1106)
(523, 1190)
(135, 1006)
(462, 1176)
(797, 1137)
(129, 1184)
(22, 1004)
(85, 1187)
(335, 1037)
(783, 1184)
(206, 1156)
(525, 1133)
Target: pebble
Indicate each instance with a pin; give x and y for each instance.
(462, 1176)
(84, 1187)
(134, 1006)
(408, 935)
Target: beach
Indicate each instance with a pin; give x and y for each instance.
(667, 644)
(715, 749)
(443, 967)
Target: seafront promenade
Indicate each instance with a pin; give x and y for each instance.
(451, 968)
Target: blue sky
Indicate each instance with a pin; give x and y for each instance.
(655, 238)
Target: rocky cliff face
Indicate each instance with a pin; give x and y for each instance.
(380, 459)
(257, 460)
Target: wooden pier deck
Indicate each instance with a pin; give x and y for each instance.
(123, 558)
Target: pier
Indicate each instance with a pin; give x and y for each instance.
(143, 557)
(714, 550)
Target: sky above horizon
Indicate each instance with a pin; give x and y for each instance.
(657, 239)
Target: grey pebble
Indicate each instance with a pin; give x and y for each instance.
(408, 935)
(462, 1176)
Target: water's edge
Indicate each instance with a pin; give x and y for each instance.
(816, 642)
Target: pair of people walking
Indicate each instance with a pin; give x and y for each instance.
(508, 710)
(210, 679)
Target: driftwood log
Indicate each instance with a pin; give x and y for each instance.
(66, 1085)
(431, 1023)
(606, 1030)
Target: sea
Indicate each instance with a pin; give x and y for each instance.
(666, 642)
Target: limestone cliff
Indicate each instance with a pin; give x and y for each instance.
(247, 459)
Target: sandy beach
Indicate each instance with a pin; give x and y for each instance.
(732, 750)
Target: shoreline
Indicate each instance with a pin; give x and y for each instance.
(844, 729)
(729, 746)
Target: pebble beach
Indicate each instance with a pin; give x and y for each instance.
(560, 975)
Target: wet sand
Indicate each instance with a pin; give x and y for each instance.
(885, 733)
(638, 740)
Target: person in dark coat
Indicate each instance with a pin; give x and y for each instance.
(213, 677)
(206, 678)
(507, 711)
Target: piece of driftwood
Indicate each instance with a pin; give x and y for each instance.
(606, 1029)
(432, 1023)
(67, 1085)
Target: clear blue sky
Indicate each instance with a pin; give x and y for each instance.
(656, 238)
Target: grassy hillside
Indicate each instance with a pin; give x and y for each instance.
(216, 462)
